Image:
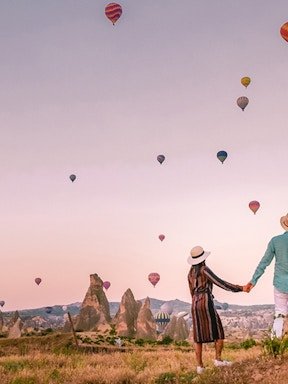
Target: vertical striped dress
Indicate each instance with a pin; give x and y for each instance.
(207, 326)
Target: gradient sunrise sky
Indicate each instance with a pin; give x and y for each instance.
(81, 96)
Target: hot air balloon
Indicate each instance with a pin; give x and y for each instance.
(162, 319)
(2, 303)
(160, 158)
(154, 278)
(245, 81)
(242, 102)
(254, 206)
(72, 178)
(64, 308)
(167, 308)
(48, 309)
(284, 31)
(161, 237)
(38, 280)
(113, 11)
(222, 155)
(106, 284)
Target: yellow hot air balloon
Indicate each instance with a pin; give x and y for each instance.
(245, 81)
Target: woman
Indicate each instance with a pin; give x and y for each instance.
(207, 326)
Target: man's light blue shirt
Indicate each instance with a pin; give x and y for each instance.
(278, 248)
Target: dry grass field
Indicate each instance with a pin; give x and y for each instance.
(53, 359)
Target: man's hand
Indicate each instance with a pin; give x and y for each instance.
(247, 288)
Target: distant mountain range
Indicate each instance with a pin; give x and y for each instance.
(178, 306)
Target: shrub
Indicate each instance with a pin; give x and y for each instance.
(274, 346)
(166, 341)
(249, 343)
(166, 377)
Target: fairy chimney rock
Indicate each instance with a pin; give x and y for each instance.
(146, 325)
(1, 321)
(126, 318)
(94, 312)
(15, 327)
(177, 329)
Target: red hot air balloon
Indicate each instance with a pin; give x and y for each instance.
(154, 278)
(284, 31)
(2, 303)
(113, 11)
(254, 206)
(161, 237)
(106, 284)
(38, 280)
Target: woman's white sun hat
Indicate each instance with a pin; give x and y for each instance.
(284, 222)
(197, 255)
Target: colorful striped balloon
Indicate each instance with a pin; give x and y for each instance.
(284, 31)
(113, 11)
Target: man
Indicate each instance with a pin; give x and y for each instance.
(278, 248)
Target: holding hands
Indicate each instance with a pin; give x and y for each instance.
(247, 288)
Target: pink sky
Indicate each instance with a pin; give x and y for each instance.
(81, 96)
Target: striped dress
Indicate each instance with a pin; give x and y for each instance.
(207, 326)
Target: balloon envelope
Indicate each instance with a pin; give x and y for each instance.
(113, 11)
(167, 308)
(72, 178)
(161, 237)
(154, 277)
(284, 31)
(2, 303)
(64, 308)
(48, 309)
(222, 155)
(106, 284)
(160, 158)
(162, 318)
(38, 280)
(245, 81)
(254, 206)
(242, 102)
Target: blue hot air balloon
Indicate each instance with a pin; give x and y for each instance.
(222, 156)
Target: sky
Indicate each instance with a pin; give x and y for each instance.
(81, 96)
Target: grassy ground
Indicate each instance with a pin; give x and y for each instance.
(54, 360)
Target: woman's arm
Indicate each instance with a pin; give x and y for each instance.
(221, 283)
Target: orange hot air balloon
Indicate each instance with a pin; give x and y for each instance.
(284, 31)
(161, 237)
(254, 206)
(113, 11)
(38, 280)
(154, 277)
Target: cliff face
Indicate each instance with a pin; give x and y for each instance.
(94, 313)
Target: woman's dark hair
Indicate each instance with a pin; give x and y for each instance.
(197, 268)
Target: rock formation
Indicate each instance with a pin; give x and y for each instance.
(177, 329)
(15, 327)
(146, 325)
(94, 312)
(126, 318)
(1, 321)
